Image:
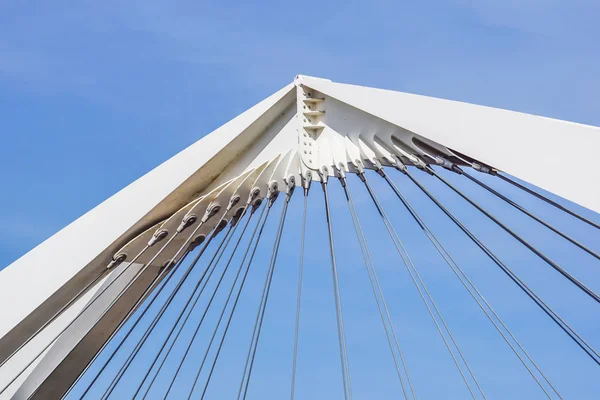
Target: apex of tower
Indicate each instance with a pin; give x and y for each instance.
(301, 79)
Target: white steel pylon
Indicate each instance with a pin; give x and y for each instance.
(310, 129)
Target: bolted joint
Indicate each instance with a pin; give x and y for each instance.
(399, 165)
(187, 221)
(449, 165)
(254, 193)
(220, 227)
(306, 181)
(198, 240)
(236, 217)
(210, 211)
(291, 186)
(256, 205)
(157, 237)
(273, 193)
(233, 201)
(116, 260)
(324, 174)
(484, 169)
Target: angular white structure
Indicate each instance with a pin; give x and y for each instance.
(310, 128)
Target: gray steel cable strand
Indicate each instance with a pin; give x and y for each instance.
(547, 200)
(584, 345)
(86, 307)
(212, 368)
(545, 258)
(190, 267)
(298, 298)
(472, 290)
(57, 314)
(337, 299)
(245, 383)
(406, 262)
(191, 341)
(256, 322)
(532, 216)
(150, 328)
(195, 293)
(139, 318)
(378, 292)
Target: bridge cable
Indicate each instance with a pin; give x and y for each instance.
(123, 322)
(191, 341)
(584, 345)
(85, 308)
(547, 200)
(529, 214)
(471, 288)
(298, 298)
(554, 265)
(337, 298)
(378, 292)
(207, 383)
(149, 330)
(213, 233)
(57, 314)
(197, 294)
(260, 314)
(410, 267)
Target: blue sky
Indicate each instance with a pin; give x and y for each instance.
(93, 95)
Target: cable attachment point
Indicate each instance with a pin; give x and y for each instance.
(291, 186)
(236, 217)
(306, 181)
(449, 165)
(187, 221)
(273, 193)
(198, 240)
(484, 169)
(116, 260)
(233, 201)
(341, 174)
(378, 168)
(157, 237)
(212, 210)
(220, 227)
(324, 173)
(253, 195)
(399, 165)
(256, 205)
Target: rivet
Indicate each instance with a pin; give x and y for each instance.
(304, 151)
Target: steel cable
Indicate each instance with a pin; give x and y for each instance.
(413, 272)
(338, 302)
(149, 330)
(471, 289)
(250, 357)
(224, 308)
(231, 314)
(554, 265)
(584, 345)
(378, 293)
(532, 216)
(297, 324)
(547, 200)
